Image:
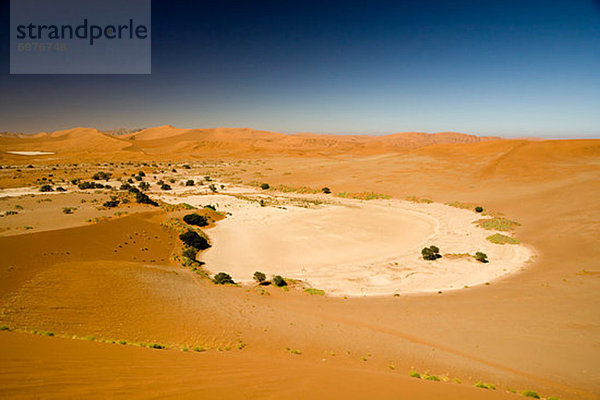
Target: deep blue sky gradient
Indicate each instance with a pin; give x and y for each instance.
(510, 68)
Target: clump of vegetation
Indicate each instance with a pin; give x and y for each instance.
(211, 207)
(61, 189)
(431, 253)
(190, 253)
(485, 385)
(264, 186)
(68, 210)
(223, 278)
(363, 196)
(156, 346)
(326, 190)
(193, 239)
(195, 219)
(478, 209)
(90, 185)
(313, 291)
(499, 238)
(143, 198)
(497, 224)
(459, 204)
(164, 186)
(259, 277)
(101, 176)
(414, 374)
(279, 281)
(481, 257)
(189, 182)
(46, 188)
(144, 185)
(294, 351)
(432, 378)
(111, 203)
(416, 199)
(530, 393)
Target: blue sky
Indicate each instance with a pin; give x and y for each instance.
(509, 68)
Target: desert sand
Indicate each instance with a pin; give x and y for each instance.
(89, 284)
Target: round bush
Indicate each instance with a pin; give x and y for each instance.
(195, 219)
(222, 278)
(259, 277)
(279, 281)
(193, 239)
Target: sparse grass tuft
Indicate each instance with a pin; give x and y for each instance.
(530, 393)
(313, 291)
(294, 351)
(485, 385)
(498, 238)
(497, 224)
(198, 349)
(432, 378)
(416, 199)
(414, 374)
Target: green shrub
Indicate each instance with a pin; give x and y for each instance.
(279, 281)
(530, 393)
(90, 185)
(326, 190)
(259, 277)
(61, 189)
(101, 176)
(156, 346)
(189, 182)
(479, 209)
(190, 253)
(164, 186)
(414, 374)
(111, 203)
(144, 185)
(68, 210)
(211, 207)
(264, 186)
(432, 378)
(481, 257)
(193, 239)
(222, 278)
(46, 188)
(431, 253)
(195, 219)
(143, 198)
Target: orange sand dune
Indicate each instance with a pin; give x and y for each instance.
(535, 330)
(178, 142)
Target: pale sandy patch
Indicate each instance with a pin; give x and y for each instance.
(31, 153)
(354, 247)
